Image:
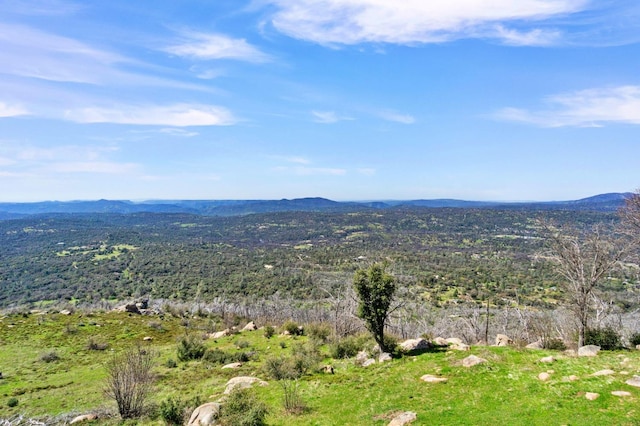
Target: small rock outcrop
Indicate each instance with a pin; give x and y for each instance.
(544, 376)
(369, 362)
(603, 373)
(403, 419)
(205, 415)
(548, 359)
(242, 382)
(460, 347)
(588, 350)
(415, 345)
(503, 340)
(84, 418)
(634, 381)
(621, 393)
(233, 365)
(328, 369)
(430, 378)
(384, 357)
(472, 360)
(251, 326)
(219, 334)
(535, 345)
(591, 396)
(440, 341)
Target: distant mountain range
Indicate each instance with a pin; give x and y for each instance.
(602, 202)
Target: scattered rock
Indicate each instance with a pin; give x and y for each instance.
(205, 415)
(440, 341)
(573, 378)
(503, 340)
(147, 338)
(603, 373)
(591, 396)
(328, 369)
(588, 350)
(460, 347)
(620, 393)
(219, 334)
(251, 326)
(403, 419)
(472, 360)
(84, 418)
(544, 376)
(384, 357)
(65, 312)
(571, 353)
(430, 378)
(242, 382)
(535, 345)
(369, 362)
(415, 345)
(361, 357)
(548, 359)
(143, 304)
(454, 341)
(233, 365)
(638, 347)
(634, 381)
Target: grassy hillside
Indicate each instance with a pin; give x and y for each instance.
(505, 390)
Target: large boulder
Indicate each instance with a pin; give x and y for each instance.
(205, 415)
(431, 378)
(415, 345)
(384, 357)
(588, 350)
(535, 345)
(440, 341)
(634, 381)
(503, 340)
(84, 418)
(242, 382)
(220, 334)
(403, 419)
(251, 326)
(472, 360)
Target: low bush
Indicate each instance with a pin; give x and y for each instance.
(243, 408)
(318, 331)
(175, 411)
(12, 402)
(49, 356)
(606, 337)
(347, 347)
(218, 356)
(293, 328)
(634, 339)
(94, 345)
(190, 348)
(269, 331)
(554, 344)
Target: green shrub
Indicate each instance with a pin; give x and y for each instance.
(269, 331)
(293, 328)
(50, 356)
(348, 347)
(318, 331)
(243, 408)
(175, 411)
(12, 402)
(94, 345)
(554, 344)
(606, 337)
(190, 348)
(634, 339)
(242, 344)
(218, 356)
(171, 363)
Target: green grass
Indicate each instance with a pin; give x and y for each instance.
(503, 391)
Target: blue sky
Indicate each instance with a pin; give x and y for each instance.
(344, 99)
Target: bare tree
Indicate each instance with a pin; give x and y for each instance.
(582, 259)
(630, 215)
(129, 381)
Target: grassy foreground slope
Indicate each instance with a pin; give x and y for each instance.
(505, 390)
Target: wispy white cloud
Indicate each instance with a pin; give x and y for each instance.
(328, 117)
(7, 110)
(217, 46)
(311, 171)
(585, 108)
(291, 159)
(179, 115)
(418, 21)
(535, 37)
(397, 117)
(101, 167)
(367, 171)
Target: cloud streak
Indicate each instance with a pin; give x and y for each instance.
(347, 22)
(585, 108)
(328, 117)
(178, 115)
(7, 110)
(217, 46)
